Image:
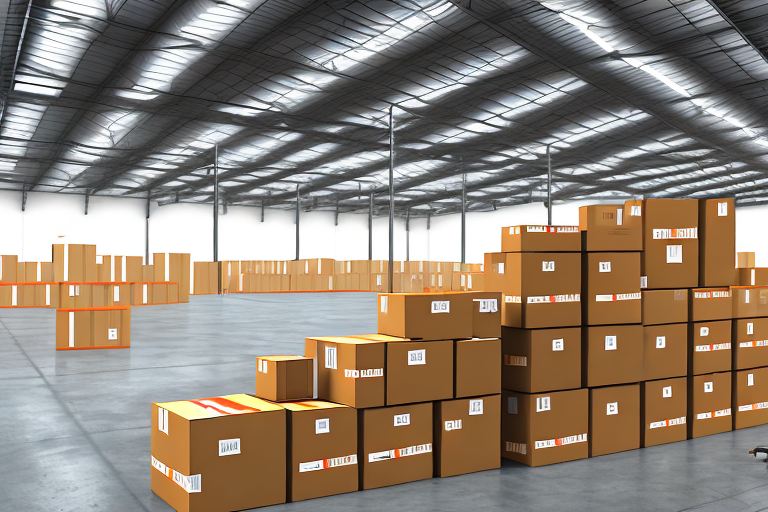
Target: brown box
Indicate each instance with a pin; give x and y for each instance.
(477, 367)
(419, 371)
(670, 257)
(750, 398)
(395, 445)
(284, 378)
(73, 329)
(614, 419)
(466, 433)
(750, 343)
(540, 239)
(9, 268)
(134, 271)
(427, 316)
(612, 355)
(749, 301)
(611, 288)
(664, 410)
(112, 328)
(717, 242)
(539, 289)
(665, 306)
(219, 454)
(710, 304)
(611, 227)
(745, 259)
(709, 404)
(541, 360)
(710, 347)
(350, 371)
(753, 276)
(542, 429)
(322, 449)
(486, 314)
(665, 351)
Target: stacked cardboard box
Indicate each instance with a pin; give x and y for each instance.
(93, 328)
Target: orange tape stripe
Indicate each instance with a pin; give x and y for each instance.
(223, 406)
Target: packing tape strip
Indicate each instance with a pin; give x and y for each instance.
(561, 441)
(190, 483)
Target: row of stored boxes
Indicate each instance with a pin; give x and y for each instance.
(239, 452)
(546, 428)
(108, 327)
(403, 283)
(87, 295)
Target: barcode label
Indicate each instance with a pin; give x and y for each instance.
(618, 297)
(561, 441)
(323, 426)
(753, 407)
(229, 447)
(416, 357)
(551, 299)
(399, 453)
(667, 423)
(383, 303)
(317, 465)
(488, 305)
(515, 360)
(441, 306)
(542, 404)
(476, 407)
(605, 266)
(402, 419)
(452, 425)
(362, 374)
(547, 266)
(516, 448)
(752, 344)
(722, 209)
(612, 408)
(674, 254)
(162, 420)
(676, 234)
(513, 299)
(713, 347)
(330, 357)
(635, 211)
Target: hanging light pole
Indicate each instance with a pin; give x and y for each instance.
(391, 195)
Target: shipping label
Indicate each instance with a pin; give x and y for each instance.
(515, 360)
(635, 211)
(619, 217)
(750, 328)
(674, 254)
(667, 423)
(513, 299)
(722, 209)
(323, 426)
(318, 465)
(604, 266)
(713, 294)
(330, 357)
(400, 452)
(666, 392)
(713, 347)
(551, 299)
(676, 234)
(547, 266)
(488, 305)
(452, 425)
(552, 229)
(364, 374)
(402, 419)
(416, 357)
(715, 414)
(618, 297)
(751, 344)
(441, 306)
(643, 281)
(661, 341)
(750, 379)
(753, 407)
(611, 343)
(542, 404)
(558, 345)
(516, 448)
(162, 420)
(189, 483)
(112, 334)
(229, 447)
(383, 303)
(476, 407)
(612, 408)
(562, 441)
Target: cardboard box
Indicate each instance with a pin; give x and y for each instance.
(9, 268)
(419, 371)
(750, 301)
(709, 404)
(665, 306)
(614, 419)
(753, 276)
(395, 445)
(750, 398)
(717, 242)
(477, 365)
(322, 449)
(93, 328)
(670, 257)
(611, 227)
(427, 316)
(745, 259)
(542, 429)
(664, 410)
(710, 304)
(541, 360)
(612, 355)
(350, 371)
(486, 314)
(540, 289)
(710, 347)
(750, 343)
(284, 378)
(112, 328)
(540, 239)
(466, 433)
(611, 288)
(665, 351)
(73, 329)
(219, 454)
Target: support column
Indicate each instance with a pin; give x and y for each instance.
(549, 188)
(370, 229)
(298, 209)
(391, 195)
(463, 219)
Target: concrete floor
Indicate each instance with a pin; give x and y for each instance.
(75, 426)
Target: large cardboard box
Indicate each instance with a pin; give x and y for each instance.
(466, 433)
(73, 329)
(540, 239)
(710, 304)
(611, 288)
(541, 360)
(612, 355)
(419, 371)
(750, 398)
(540, 289)
(717, 242)
(322, 449)
(395, 445)
(614, 419)
(750, 301)
(750, 343)
(664, 410)
(753, 276)
(350, 371)
(709, 404)
(9, 268)
(219, 454)
(665, 307)
(284, 378)
(112, 327)
(426, 316)
(670, 257)
(611, 227)
(710, 347)
(477, 364)
(665, 351)
(486, 314)
(545, 428)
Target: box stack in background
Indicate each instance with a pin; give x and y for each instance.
(93, 328)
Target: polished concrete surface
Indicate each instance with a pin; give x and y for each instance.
(75, 426)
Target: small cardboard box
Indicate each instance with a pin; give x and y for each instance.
(426, 316)
(710, 304)
(395, 445)
(322, 449)
(745, 259)
(665, 351)
(665, 307)
(466, 433)
(477, 367)
(73, 329)
(611, 227)
(750, 398)
(663, 416)
(541, 360)
(611, 288)
(612, 355)
(419, 371)
(112, 328)
(753, 276)
(670, 257)
(614, 419)
(350, 371)
(284, 378)
(709, 404)
(750, 343)
(750, 301)
(486, 314)
(710, 347)
(223, 453)
(542, 429)
(717, 242)
(9, 266)
(540, 239)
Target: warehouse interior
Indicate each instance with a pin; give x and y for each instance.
(218, 185)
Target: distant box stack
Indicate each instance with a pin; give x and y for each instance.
(93, 328)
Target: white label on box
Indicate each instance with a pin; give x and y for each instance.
(469, 281)
(39, 272)
(330, 357)
(323, 426)
(619, 216)
(750, 328)
(352, 374)
(704, 331)
(402, 452)
(144, 292)
(547, 266)
(188, 483)
(421, 266)
(612, 408)
(330, 282)
(542, 404)
(285, 267)
(674, 254)
(384, 303)
(635, 211)
(47, 295)
(452, 425)
(666, 392)
(71, 290)
(488, 305)
(514, 299)
(676, 234)
(319, 267)
(242, 278)
(563, 441)
(402, 419)
(229, 447)
(306, 267)
(124, 270)
(116, 294)
(262, 365)
(71, 329)
(500, 268)
(159, 466)
(378, 280)
(416, 357)
(750, 379)
(723, 412)
(643, 281)
(441, 306)
(605, 266)
(753, 277)
(558, 345)
(14, 296)
(610, 343)
(112, 334)
(463, 280)
(162, 420)
(349, 267)
(709, 387)
(432, 280)
(316, 465)
(722, 209)
(168, 266)
(440, 280)
(746, 296)
(512, 405)
(661, 341)
(476, 407)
